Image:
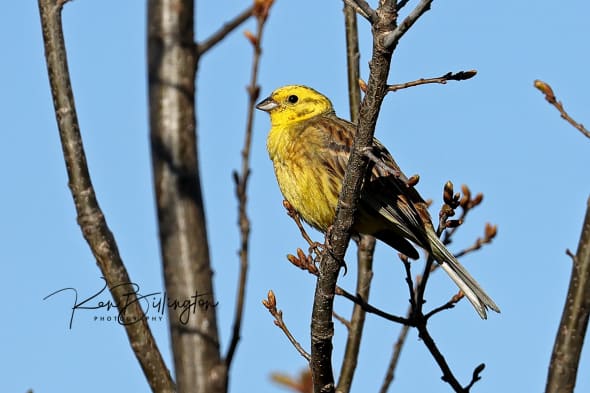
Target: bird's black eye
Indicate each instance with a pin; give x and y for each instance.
(293, 99)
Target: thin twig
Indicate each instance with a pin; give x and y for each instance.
(90, 217)
(241, 182)
(220, 34)
(489, 234)
(415, 314)
(305, 262)
(371, 309)
(449, 76)
(550, 97)
(448, 375)
(341, 319)
(447, 306)
(271, 305)
(391, 39)
(397, 349)
(363, 9)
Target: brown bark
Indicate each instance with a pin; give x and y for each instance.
(183, 236)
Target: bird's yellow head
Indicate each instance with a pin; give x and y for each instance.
(292, 104)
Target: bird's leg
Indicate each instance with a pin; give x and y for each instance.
(314, 247)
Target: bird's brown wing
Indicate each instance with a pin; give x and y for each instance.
(387, 207)
(388, 192)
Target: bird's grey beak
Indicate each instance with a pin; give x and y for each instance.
(267, 105)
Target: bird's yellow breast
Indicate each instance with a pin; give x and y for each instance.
(303, 183)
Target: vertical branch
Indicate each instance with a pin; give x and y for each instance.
(90, 217)
(322, 328)
(366, 249)
(366, 246)
(241, 179)
(352, 62)
(565, 358)
(568, 345)
(181, 217)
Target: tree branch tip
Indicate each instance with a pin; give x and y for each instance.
(271, 301)
(261, 9)
(569, 253)
(461, 75)
(475, 376)
(490, 231)
(546, 89)
(479, 369)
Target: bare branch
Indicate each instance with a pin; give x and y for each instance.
(371, 309)
(391, 39)
(365, 252)
(341, 319)
(271, 305)
(449, 76)
(363, 9)
(227, 28)
(366, 244)
(489, 234)
(241, 182)
(448, 375)
(322, 329)
(172, 64)
(352, 63)
(476, 376)
(447, 306)
(397, 349)
(550, 97)
(90, 217)
(568, 345)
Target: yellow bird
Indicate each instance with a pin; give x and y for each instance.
(309, 147)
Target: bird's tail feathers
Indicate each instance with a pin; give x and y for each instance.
(472, 290)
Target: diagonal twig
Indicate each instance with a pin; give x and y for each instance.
(241, 181)
(90, 217)
(550, 97)
(271, 305)
(392, 38)
(363, 9)
(220, 34)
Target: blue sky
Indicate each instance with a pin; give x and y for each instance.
(495, 133)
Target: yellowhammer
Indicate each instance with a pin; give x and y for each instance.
(309, 147)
